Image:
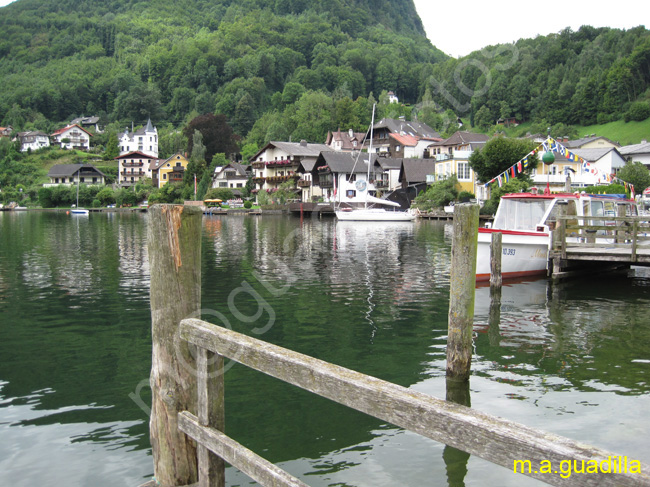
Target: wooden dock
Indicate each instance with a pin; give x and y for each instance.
(587, 244)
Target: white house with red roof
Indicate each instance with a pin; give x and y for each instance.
(144, 139)
(72, 137)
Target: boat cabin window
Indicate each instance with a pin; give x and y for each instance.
(521, 215)
(571, 210)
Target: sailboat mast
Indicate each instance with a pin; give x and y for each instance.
(372, 123)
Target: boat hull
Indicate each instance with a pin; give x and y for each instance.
(524, 254)
(79, 211)
(374, 215)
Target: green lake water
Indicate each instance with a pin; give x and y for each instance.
(75, 349)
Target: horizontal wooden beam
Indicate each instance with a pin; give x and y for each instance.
(492, 438)
(237, 455)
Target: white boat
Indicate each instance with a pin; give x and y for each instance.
(371, 214)
(76, 210)
(525, 221)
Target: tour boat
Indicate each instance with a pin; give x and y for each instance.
(525, 221)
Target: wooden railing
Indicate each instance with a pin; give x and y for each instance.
(495, 439)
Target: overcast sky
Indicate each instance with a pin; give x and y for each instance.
(458, 29)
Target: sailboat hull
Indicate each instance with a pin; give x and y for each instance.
(374, 215)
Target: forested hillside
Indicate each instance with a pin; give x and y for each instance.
(295, 68)
(164, 59)
(594, 75)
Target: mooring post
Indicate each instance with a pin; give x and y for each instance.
(174, 245)
(461, 291)
(496, 247)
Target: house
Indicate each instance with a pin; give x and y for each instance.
(599, 164)
(508, 122)
(414, 175)
(133, 167)
(637, 152)
(342, 177)
(33, 140)
(383, 143)
(345, 141)
(72, 137)
(590, 142)
(144, 140)
(6, 131)
(400, 146)
(387, 176)
(233, 176)
(392, 97)
(170, 170)
(88, 123)
(278, 162)
(459, 142)
(69, 174)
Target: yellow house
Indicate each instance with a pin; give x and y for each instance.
(168, 170)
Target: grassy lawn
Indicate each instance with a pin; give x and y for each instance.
(625, 133)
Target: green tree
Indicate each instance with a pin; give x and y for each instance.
(217, 136)
(438, 194)
(496, 192)
(635, 173)
(498, 154)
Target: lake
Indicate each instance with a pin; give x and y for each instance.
(75, 349)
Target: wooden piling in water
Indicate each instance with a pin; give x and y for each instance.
(174, 247)
(496, 252)
(461, 291)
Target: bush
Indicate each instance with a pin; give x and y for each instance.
(637, 112)
(437, 195)
(106, 196)
(224, 194)
(248, 205)
(45, 197)
(96, 204)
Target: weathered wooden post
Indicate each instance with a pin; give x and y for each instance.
(461, 291)
(496, 253)
(174, 245)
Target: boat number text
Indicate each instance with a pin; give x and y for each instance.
(509, 251)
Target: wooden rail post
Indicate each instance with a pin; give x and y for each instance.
(461, 291)
(496, 252)
(174, 245)
(620, 234)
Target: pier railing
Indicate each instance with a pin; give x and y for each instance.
(602, 238)
(495, 439)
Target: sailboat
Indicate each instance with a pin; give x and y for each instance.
(373, 214)
(76, 210)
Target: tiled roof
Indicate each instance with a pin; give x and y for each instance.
(416, 170)
(69, 127)
(462, 138)
(135, 154)
(67, 170)
(416, 129)
(406, 140)
(642, 148)
(301, 149)
(345, 162)
(576, 144)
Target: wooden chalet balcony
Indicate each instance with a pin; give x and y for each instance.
(136, 173)
(304, 183)
(132, 164)
(381, 183)
(259, 180)
(259, 165)
(281, 179)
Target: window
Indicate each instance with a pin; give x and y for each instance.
(397, 148)
(350, 178)
(56, 180)
(223, 184)
(463, 171)
(240, 185)
(350, 193)
(164, 175)
(82, 180)
(178, 164)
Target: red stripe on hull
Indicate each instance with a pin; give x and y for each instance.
(511, 232)
(512, 275)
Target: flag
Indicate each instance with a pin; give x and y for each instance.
(519, 166)
(195, 185)
(512, 172)
(500, 182)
